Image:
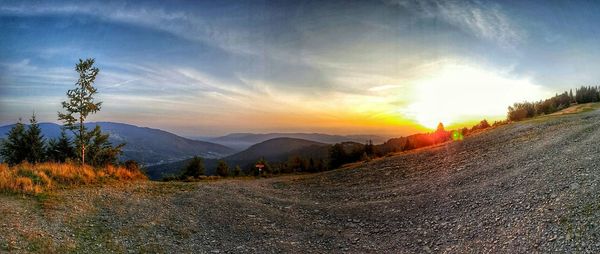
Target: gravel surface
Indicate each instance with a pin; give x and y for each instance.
(520, 188)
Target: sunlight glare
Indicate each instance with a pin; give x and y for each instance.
(458, 93)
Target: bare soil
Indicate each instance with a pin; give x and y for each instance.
(531, 186)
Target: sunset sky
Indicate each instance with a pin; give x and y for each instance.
(347, 67)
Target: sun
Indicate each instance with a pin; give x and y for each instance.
(457, 93)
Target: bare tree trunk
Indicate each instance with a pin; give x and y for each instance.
(81, 138)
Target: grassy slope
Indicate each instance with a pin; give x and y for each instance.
(43, 177)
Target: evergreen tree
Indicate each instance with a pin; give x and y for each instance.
(440, 127)
(12, 150)
(311, 165)
(571, 97)
(80, 104)
(34, 142)
(294, 164)
(100, 151)
(337, 156)
(321, 166)
(194, 168)
(369, 148)
(237, 171)
(222, 169)
(61, 149)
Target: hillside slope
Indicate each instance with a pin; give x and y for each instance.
(157, 146)
(146, 145)
(527, 187)
(277, 149)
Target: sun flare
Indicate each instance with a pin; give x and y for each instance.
(458, 93)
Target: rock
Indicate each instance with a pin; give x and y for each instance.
(574, 186)
(426, 249)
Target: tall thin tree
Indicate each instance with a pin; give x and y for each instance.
(80, 104)
(34, 141)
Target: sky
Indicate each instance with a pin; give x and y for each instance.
(207, 68)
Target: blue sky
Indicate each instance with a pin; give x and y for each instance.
(214, 67)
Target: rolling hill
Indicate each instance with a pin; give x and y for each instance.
(277, 149)
(242, 141)
(274, 149)
(146, 145)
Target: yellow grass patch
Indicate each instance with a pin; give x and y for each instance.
(37, 178)
(578, 108)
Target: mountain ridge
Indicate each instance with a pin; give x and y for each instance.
(149, 146)
(241, 141)
(277, 149)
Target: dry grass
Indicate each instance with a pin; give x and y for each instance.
(578, 108)
(37, 178)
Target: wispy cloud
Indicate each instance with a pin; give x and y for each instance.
(177, 22)
(225, 63)
(24, 76)
(486, 21)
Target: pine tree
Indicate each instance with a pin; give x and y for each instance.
(12, 150)
(237, 171)
(80, 104)
(440, 127)
(311, 165)
(321, 166)
(61, 149)
(194, 168)
(572, 99)
(337, 156)
(222, 169)
(65, 147)
(34, 142)
(369, 148)
(100, 151)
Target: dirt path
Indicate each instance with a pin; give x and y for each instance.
(526, 187)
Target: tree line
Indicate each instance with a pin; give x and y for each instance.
(195, 168)
(523, 110)
(26, 142)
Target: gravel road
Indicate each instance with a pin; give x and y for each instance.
(531, 186)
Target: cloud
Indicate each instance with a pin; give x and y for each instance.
(486, 21)
(180, 23)
(22, 77)
(313, 60)
(384, 88)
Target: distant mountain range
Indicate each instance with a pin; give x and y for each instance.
(165, 153)
(241, 141)
(277, 149)
(145, 145)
